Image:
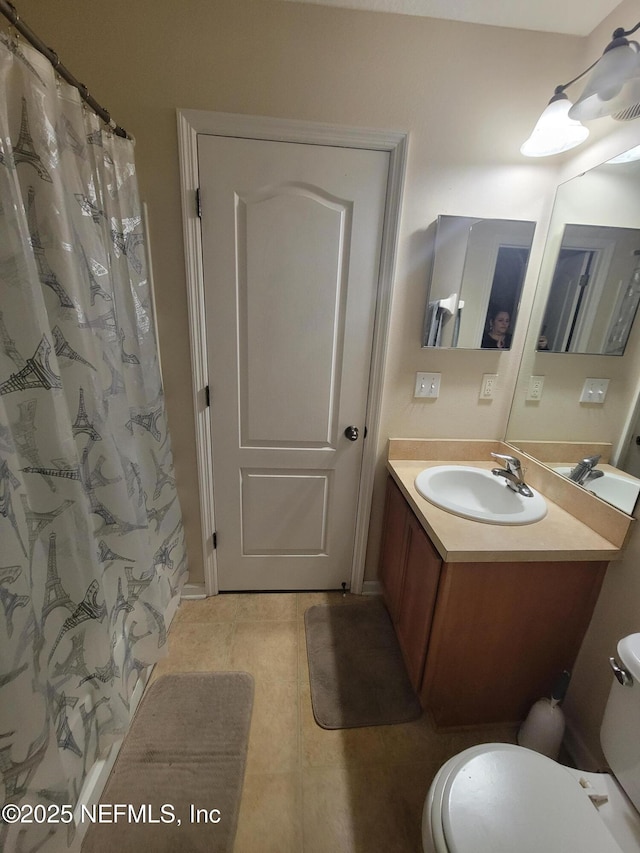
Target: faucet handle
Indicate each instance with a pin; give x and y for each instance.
(592, 460)
(512, 463)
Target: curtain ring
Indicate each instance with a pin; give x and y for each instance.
(57, 59)
(15, 20)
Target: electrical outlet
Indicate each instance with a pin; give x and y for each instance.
(427, 385)
(534, 391)
(489, 385)
(594, 390)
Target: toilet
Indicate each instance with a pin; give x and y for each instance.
(501, 798)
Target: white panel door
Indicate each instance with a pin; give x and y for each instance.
(291, 248)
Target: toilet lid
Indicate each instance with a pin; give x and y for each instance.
(501, 798)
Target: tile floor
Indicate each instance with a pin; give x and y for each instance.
(308, 790)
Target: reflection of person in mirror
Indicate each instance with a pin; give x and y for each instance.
(497, 335)
(543, 343)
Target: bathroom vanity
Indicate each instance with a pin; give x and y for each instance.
(487, 616)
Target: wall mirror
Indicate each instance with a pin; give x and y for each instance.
(586, 304)
(477, 269)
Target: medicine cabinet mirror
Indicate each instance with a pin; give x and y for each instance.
(477, 269)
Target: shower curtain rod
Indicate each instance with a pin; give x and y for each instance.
(10, 12)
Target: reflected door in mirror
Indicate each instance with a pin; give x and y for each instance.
(595, 291)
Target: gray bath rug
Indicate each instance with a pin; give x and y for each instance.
(183, 759)
(356, 670)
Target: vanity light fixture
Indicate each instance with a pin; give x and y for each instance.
(613, 89)
(555, 131)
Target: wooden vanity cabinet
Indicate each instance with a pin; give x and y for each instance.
(409, 573)
(502, 634)
(482, 640)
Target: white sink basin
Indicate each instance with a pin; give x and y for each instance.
(478, 494)
(620, 491)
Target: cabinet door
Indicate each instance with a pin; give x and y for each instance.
(502, 633)
(418, 598)
(392, 554)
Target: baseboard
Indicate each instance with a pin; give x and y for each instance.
(99, 773)
(97, 777)
(193, 591)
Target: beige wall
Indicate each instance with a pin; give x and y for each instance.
(468, 95)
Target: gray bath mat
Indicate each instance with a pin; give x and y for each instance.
(356, 670)
(186, 752)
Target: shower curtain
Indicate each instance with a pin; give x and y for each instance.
(92, 552)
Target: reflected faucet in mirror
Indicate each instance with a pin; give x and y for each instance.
(585, 471)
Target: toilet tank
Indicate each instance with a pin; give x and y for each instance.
(620, 731)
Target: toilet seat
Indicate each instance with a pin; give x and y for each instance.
(497, 798)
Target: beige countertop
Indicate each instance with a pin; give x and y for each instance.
(558, 536)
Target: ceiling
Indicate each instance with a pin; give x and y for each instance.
(572, 17)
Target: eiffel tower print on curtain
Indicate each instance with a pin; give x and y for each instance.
(36, 373)
(92, 556)
(24, 151)
(47, 275)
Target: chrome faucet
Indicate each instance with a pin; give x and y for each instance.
(512, 472)
(585, 471)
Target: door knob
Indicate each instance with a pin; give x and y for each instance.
(352, 433)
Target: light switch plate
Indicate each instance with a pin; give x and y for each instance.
(534, 391)
(427, 385)
(594, 390)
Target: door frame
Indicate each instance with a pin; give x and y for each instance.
(191, 123)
